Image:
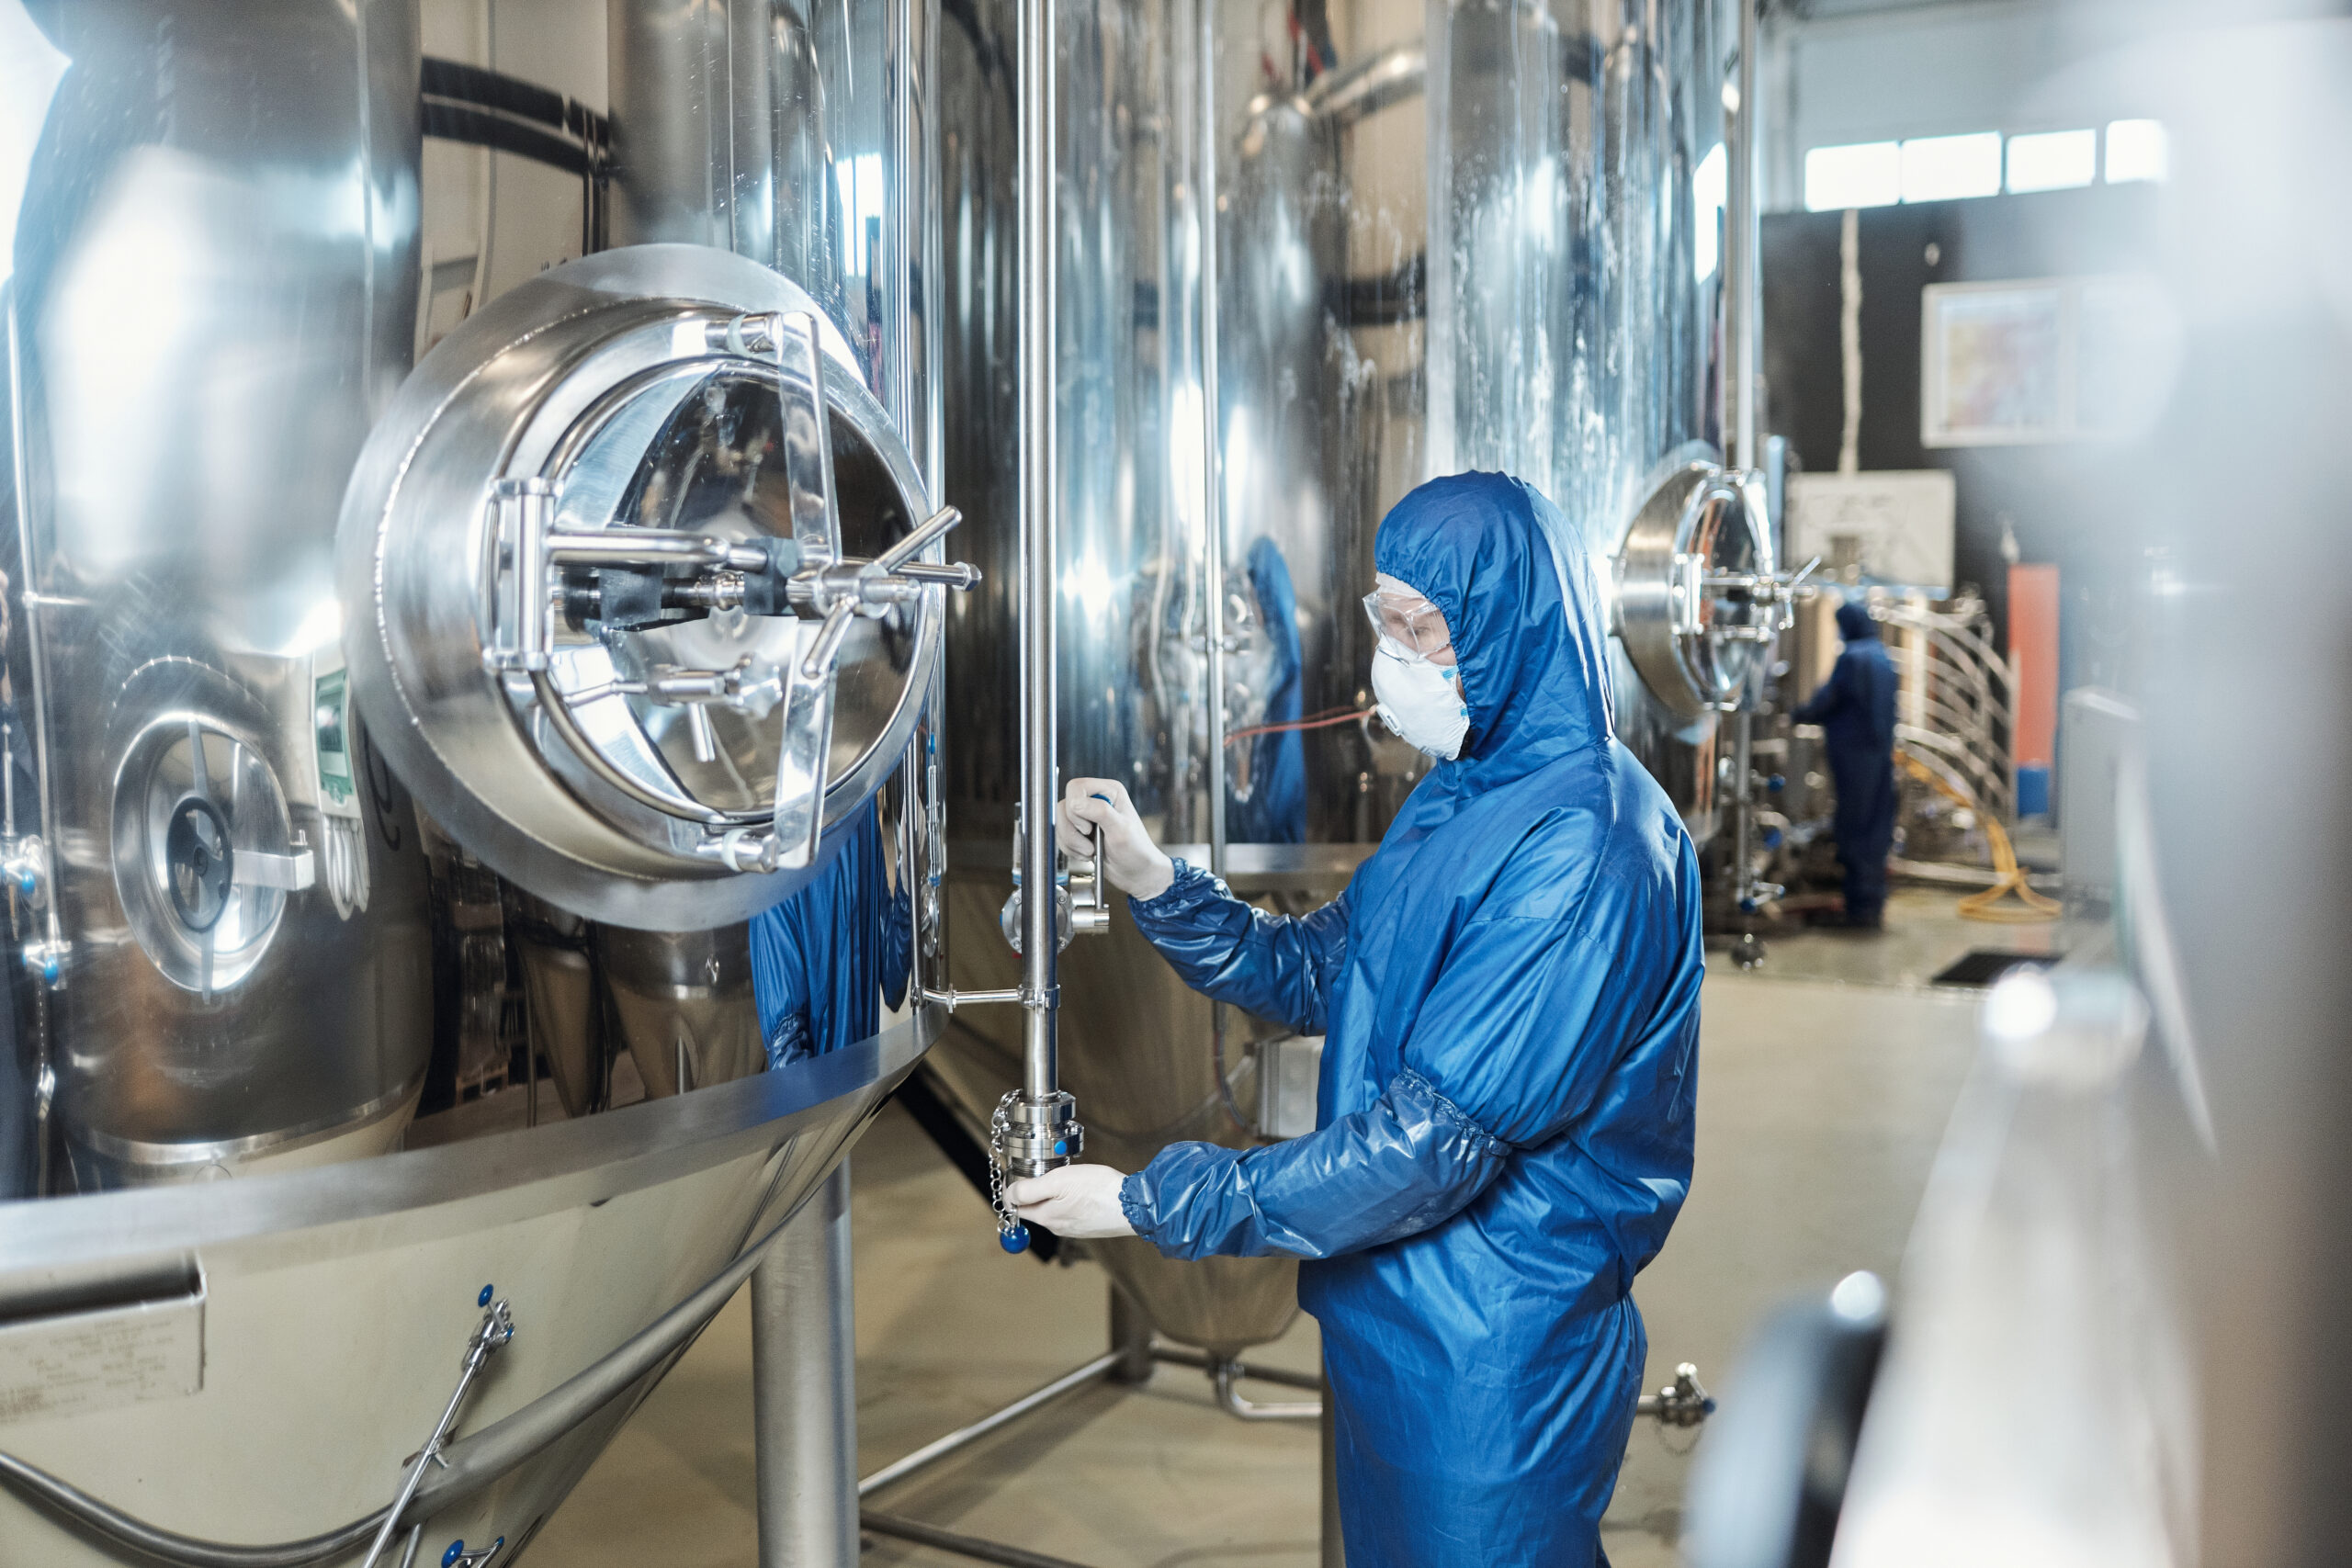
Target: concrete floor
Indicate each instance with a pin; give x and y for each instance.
(1925, 933)
(1826, 1080)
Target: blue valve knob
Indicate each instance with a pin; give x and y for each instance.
(1061, 1145)
(50, 971)
(1771, 837)
(27, 883)
(1776, 783)
(456, 1550)
(1015, 1240)
(483, 1300)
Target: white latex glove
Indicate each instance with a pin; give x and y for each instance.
(1098, 810)
(1081, 1202)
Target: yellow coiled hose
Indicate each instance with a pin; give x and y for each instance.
(1987, 904)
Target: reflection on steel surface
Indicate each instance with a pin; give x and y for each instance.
(683, 1002)
(215, 289)
(770, 132)
(1478, 249)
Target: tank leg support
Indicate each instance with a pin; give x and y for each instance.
(1130, 1339)
(1335, 1551)
(804, 1368)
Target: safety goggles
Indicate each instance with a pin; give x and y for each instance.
(1411, 628)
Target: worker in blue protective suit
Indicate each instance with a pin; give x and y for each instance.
(1509, 996)
(826, 960)
(1855, 708)
(1274, 810)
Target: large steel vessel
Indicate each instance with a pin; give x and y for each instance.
(632, 581)
(208, 309)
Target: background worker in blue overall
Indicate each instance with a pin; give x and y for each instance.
(827, 960)
(1855, 708)
(1509, 993)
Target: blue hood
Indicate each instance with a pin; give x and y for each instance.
(1854, 623)
(1527, 621)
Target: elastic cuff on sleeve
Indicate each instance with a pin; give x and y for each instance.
(1133, 1205)
(1444, 1110)
(1189, 884)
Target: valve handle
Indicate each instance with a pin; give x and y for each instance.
(1091, 903)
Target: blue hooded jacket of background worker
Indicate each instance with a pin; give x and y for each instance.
(1275, 811)
(826, 960)
(1855, 708)
(1509, 996)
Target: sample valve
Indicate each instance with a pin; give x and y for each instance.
(1682, 1402)
(490, 1337)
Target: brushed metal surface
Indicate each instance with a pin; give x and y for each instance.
(338, 1300)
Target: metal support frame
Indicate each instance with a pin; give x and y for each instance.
(1131, 1344)
(1134, 1353)
(804, 1392)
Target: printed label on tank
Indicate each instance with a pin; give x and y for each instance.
(102, 1360)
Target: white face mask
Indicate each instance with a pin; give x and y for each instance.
(1421, 704)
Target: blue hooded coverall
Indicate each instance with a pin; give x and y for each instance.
(827, 959)
(1509, 996)
(1855, 708)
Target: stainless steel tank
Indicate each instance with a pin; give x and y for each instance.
(214, 293)
(741, 127)
(637, 589)
(1305, 261)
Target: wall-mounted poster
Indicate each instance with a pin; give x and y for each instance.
(1894, 524)
(2044, 359)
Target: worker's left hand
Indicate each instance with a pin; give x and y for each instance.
(1081, 1202)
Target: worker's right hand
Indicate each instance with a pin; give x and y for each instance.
(1097, 819)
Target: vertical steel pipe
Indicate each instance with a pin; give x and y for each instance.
(1040, 942)
(804, 1390)
(1742, 299)
(1741, 293)
(1212, 438)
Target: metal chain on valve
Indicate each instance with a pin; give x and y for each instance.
(1010, 1234)
(1028, 1138)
